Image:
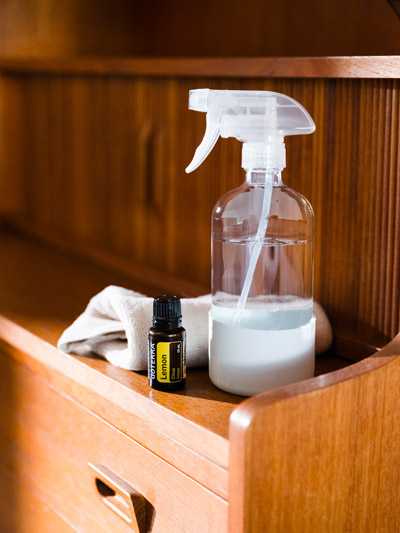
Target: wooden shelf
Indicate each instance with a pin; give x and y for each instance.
(228, 67)
(42, 290)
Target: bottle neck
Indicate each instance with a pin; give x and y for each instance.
(256, 177)
(164, 324)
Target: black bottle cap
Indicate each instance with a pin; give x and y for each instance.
(167, 311)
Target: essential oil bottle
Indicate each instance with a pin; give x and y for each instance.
(167, 345)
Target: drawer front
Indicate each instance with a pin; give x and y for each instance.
(22, 511)
(85, 467)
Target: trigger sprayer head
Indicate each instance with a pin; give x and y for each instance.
(259, 119)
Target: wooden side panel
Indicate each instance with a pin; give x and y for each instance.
(320, 460)
(103, 161)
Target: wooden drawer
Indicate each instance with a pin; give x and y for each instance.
(22, 511)
(48, 440)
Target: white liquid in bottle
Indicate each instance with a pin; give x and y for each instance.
(247, 361)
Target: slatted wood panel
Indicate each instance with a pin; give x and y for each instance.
(99, 161)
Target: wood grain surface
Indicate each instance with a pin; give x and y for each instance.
(188, 430)
(320, 456)
(98, 161)
(93, 165)
(373, 66)
(42, 28)
(22, 510)
(36, 285)
(54, 438)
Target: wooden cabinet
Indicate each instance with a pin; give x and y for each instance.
(326, 449)
(75, 461)
(89, 447)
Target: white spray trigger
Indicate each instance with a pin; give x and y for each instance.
(259, 119)
(207, 144)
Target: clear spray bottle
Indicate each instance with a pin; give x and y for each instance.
(262, 329)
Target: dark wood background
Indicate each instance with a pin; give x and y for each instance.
(188, 28)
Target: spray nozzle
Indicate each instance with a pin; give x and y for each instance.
(259, 119)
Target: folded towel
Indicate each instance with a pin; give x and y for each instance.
(116, 322)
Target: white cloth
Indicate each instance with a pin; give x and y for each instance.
(323, 329)
(116, 322)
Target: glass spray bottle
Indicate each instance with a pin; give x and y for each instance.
(262, 329)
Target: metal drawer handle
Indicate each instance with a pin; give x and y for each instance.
(120, 497)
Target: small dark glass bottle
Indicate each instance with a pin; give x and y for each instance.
(167, 345)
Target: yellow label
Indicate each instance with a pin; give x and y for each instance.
(169, 361)
(163, 362)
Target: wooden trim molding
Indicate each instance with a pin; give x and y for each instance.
(243, 67)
